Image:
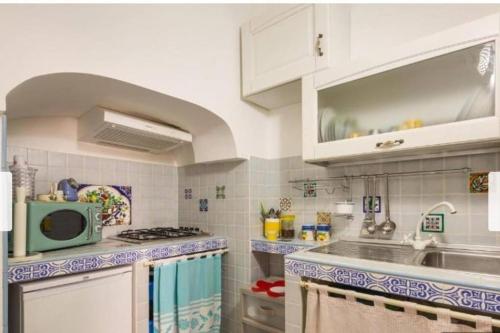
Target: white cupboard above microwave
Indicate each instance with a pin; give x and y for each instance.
(435, 94)
(279, 48)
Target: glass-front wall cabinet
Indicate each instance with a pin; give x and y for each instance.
(454, 87)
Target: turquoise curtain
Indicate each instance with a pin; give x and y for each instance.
(187, 296)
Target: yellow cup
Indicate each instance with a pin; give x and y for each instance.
(272, 229)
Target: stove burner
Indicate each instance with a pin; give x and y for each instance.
(160, 233)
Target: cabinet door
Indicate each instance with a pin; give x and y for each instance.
(97, 305)
(282, 48)
(431, 95)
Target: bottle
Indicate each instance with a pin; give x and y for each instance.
(19, 227)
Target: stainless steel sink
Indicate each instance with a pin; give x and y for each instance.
(478, 262)
(484, 262)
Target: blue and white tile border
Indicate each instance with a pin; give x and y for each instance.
(471, 298)
(276, 247)
(41, 270)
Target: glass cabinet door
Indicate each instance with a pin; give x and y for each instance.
(454, 87)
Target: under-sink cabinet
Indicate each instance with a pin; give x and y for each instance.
(280, 47)
(432, 95)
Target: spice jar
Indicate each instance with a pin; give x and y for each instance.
(323, 232)
(308, 232)
(287, 226)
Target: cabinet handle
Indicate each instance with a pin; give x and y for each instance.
(318, 45)
(389, 143)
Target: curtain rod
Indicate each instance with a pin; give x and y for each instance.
(152, 263)
(394, 302)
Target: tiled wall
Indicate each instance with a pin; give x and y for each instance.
(409, 196)
(154, 187)
(228, 217)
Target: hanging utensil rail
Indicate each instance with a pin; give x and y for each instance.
(381, 175)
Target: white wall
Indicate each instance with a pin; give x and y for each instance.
(191, 52)
(378, 27)
(188, 51)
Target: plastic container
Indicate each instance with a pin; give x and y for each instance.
(272, 229)
(287, 226)
(344, 207)
(323, 232)
(308, 232)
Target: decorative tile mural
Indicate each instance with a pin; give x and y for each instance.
(220, 192)
(466, 297)
(188, 193)
(310, 190)
(40, 270)
(478, 182)
(203, 205)
(116, 202)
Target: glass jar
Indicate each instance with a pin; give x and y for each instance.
(323, 232)
(287, 226)
(308, 231)
(272, 229)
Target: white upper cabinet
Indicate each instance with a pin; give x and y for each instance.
(435, 94)
(277, 50)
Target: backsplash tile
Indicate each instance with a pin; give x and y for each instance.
(155, 186)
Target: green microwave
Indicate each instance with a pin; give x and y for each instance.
(56, 225)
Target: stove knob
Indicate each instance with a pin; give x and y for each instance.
(191, 228)
(197, 229)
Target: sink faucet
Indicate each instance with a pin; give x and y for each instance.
(418, 243)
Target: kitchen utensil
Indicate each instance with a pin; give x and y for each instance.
(373, 225)
(368, 220)
(388, 226)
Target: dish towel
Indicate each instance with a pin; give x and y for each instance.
(164, 298)
(187, 296)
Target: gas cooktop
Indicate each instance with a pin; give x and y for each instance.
(152, 234)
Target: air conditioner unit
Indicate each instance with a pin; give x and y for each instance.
(107, 127)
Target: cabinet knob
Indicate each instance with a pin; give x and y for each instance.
(389, 143)
(318, 45)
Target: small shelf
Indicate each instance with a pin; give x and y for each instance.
(281, 246)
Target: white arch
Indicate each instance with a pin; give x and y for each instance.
(72, 94)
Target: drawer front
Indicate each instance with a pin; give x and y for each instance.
(268, 313)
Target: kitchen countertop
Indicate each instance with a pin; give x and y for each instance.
(107, 253)
(439, 275)
(282, 246)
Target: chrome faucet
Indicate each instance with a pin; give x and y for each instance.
(417, 242)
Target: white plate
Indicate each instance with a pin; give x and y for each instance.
(325, 124)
